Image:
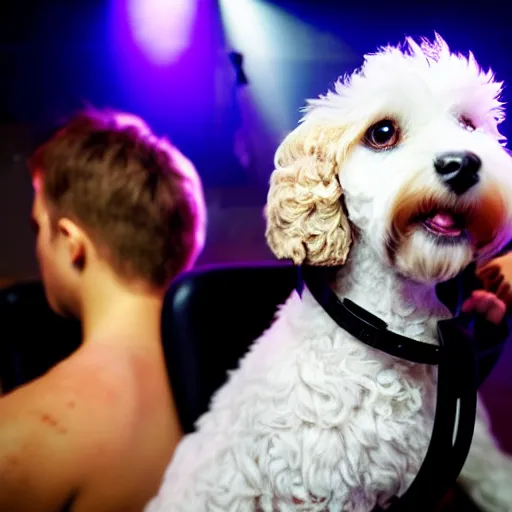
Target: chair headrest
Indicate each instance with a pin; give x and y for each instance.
(210, 318)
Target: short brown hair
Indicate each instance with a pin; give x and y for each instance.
(136, 195)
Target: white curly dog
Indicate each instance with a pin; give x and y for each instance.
(399, 178)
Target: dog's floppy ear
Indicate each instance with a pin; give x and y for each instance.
(306, 221)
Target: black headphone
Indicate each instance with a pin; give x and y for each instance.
(469, 347)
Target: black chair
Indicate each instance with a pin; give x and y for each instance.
(32, 337)
(211, 316)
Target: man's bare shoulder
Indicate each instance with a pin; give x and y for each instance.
(83, 418)
(77, 404)
(95, 380)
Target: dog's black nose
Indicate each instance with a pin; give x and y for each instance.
(459, 171)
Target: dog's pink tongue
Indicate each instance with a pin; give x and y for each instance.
(443, 220)
(444, 224)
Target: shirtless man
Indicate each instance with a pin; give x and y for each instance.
(118, 214)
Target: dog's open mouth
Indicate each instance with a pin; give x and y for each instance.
(443, 223)
(447, 221)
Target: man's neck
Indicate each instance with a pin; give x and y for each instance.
(115, 313)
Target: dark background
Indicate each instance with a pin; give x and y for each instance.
(55, 55)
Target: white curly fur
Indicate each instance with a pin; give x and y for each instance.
(313, 419)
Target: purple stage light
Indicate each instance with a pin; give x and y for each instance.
(162, 28)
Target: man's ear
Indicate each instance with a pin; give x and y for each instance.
(37, 180)
(75, 239)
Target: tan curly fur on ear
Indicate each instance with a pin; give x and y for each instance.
(305, 217)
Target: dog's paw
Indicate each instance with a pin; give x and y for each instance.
(496, 277)
(487, 304)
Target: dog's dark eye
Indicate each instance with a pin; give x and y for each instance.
(467, 124)
(382, 135)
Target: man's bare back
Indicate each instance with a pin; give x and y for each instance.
(96, 432)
